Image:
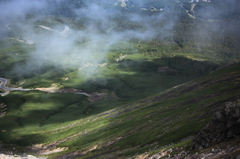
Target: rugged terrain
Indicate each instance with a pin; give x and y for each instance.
(105, 79)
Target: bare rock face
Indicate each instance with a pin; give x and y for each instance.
(224, 125)
(124, 4)
(3, 156)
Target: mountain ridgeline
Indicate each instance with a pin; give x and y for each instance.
(142, 79)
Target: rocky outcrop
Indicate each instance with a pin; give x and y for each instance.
(124, 4)
(224, 125)
(3, 156)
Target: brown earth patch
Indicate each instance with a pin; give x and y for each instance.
(103, 95)
(166, 69)
(3, 110)
(40, 149)
(53, 89)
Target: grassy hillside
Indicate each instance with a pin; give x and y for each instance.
(151, 84)
(127, 130)
(160, 120)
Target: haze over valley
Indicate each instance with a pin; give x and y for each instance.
(119, 78)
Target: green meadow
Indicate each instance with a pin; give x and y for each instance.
(158, 92)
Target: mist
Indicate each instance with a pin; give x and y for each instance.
(75, 47)
(82, 33)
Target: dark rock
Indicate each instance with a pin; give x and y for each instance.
(230, 134)
(230, 123)
(225, 124)
(218, 116)
(238, 157)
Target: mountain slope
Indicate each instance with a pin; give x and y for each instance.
(109, 82)
(151, 123)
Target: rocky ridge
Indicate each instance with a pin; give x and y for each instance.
(218, 139)
(224, 125)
